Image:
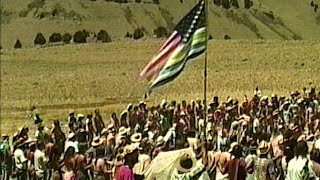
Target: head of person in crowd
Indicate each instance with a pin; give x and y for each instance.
(236, 150)
(131, 154)
(301, 149)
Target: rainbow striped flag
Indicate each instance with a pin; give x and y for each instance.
(186, 42)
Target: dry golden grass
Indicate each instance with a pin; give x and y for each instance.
(105, 76)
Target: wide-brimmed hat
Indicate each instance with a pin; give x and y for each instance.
(183, 159)
(4, 135)
(160, 140)
(263, 147)
(71, 135)
(104, 131)
(233, 146)
(123, 131)
(97, 141)
(128, 149)
(137, 137)
(80, 116)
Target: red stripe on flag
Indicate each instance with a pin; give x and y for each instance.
(169, 40)
(159, 60)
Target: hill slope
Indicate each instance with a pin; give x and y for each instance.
(267, 19)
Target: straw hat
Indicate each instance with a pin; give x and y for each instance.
(232, 146)
(160, 140)
(263, 147)
(71, 135)
(80, 116)
(123, 131)
(71, 111)
(128, 149)
(97, 141)
(137, 137)
(188, 161)
(4, 135)
(104, 131)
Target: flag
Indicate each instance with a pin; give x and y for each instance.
(187, 41)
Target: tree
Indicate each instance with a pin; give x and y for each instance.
(17, 45)
(210, 37)
(160, 32)
(138, 33)
(80, 37)
(55, 37)
(227, 37)
(235, 4)
(128, 35)
(217, 2)
(225, 4)
(103, 36)
(248, 4)
(66, 38)
(156, 1)
(39, 40)
(138, 1)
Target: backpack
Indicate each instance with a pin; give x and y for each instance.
(305, 171)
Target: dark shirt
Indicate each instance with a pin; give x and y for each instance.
(236, 169)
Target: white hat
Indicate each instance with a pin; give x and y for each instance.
(71, 135)
(160, 140)
(80, 116)
(137, 137)
(123, 130)
(185, 157)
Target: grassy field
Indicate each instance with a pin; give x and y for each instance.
(105, 76)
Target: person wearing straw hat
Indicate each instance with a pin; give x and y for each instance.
(260, 164)
(187, 167)
(130, 154)
(136, 138)
(72, 142)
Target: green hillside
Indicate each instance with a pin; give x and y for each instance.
(266, 19)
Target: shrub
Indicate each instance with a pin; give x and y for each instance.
(79, 37)
(17, 45)
(0, 47)
(39, 40)
(138, 1)
(217, 2)
(138, 33)
(235, 4)
(103, 36)
(210, 37)
(66, 38)
(247, 4)
(315, 8)
(227, 37)
(128, 35)
(312, 3)
(55, 37)
(225, 4)
(156, 1)
(160, 32)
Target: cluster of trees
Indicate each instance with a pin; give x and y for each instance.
(138, 33)
(126, 1)
(227, 4)
(315, 6)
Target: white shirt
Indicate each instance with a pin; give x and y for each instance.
(19, 158)
(40, 161)
(72, 144)
(295, 167)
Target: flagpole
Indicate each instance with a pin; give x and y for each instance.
(205, 73)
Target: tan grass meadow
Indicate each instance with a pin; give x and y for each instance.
(83, 77)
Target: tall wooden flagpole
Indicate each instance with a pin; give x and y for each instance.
(205, 72)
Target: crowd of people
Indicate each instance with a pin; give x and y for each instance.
(264, 137)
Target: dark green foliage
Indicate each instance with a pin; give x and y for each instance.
(227, 37)
(156, 1)
(138, 1)
(210, 37)
(0, 47)
(39, 40)
(234, 3)
(316, 8)
(66, 38)
(160, 32)
(225, 4)
(55, 37)
(217, 2)
(80, 36)
(312, 3)
(103, 36)
(138, 33)
(17, 45)
(247, 4)
(128, 35)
